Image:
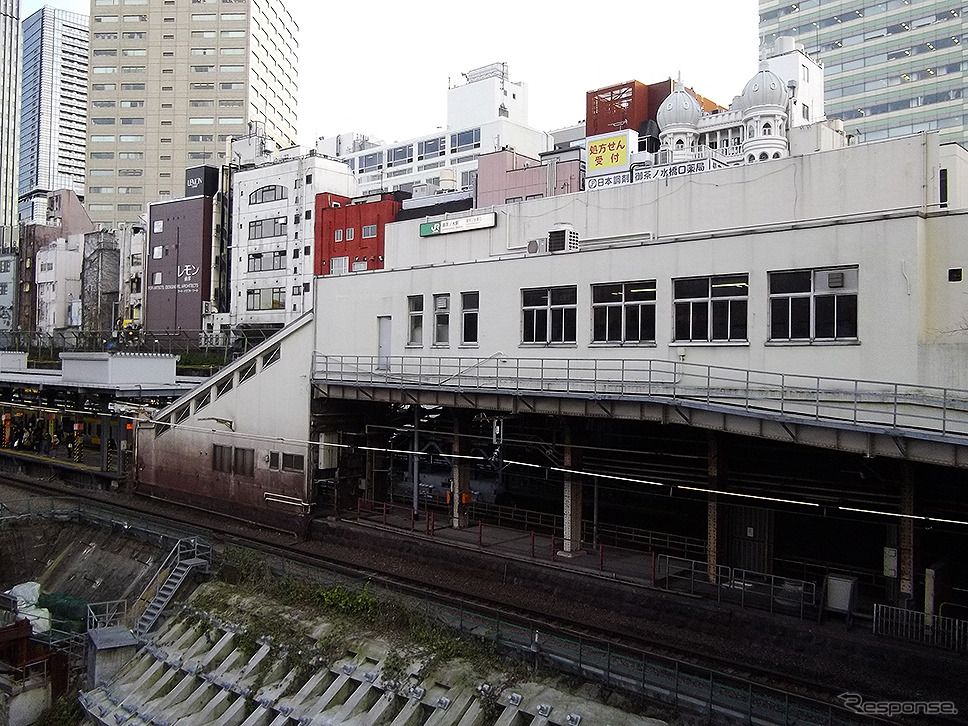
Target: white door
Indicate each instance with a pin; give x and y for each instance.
(383, 352)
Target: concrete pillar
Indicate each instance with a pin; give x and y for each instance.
(906, 537)
(712, 508)
(573, 499)
(460, 481)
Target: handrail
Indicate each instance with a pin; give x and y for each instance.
(184, 549)
(881, 405)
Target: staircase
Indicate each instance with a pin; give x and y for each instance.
(187, 555)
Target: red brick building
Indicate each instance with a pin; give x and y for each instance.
(349, 232)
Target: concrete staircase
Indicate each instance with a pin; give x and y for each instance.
(186, 556)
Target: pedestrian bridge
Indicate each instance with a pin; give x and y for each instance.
(874, 418)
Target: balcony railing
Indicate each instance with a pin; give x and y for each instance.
(878, 406)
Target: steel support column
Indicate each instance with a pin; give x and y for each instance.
(460, 483)
(573, 498)
(906, 536)
(712, 508)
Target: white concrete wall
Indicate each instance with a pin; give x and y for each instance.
(269, 411)
(779, 215)
(328, 176)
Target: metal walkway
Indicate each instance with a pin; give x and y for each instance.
(898, 420)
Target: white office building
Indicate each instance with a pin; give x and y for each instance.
(273, 248)
(58, 280)
(487, 113)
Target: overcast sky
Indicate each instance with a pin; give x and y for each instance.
(383, 68)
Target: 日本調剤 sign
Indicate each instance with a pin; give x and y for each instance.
(649, 173)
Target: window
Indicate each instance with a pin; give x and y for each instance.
(550, 315)
(369, 231)
(266, 298)
(711, 308)
(431, 148)
(259, 261)
(371, 162)
(470, 308)
(624, 312)
(268, 194)
(156, 278)
(400, 155)
(222, 458)
(296, 290)
(350, 233)
(338, 235)
(292, 462)
(339, 265)
(263, 228)
(415, 320)
(810, 305)
(442, 319)
(465, 140)
(244, 462)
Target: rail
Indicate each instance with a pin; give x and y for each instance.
(722, 698)
(924, 411)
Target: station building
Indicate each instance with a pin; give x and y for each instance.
(762, 353)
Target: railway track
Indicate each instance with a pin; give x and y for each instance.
(541, 627)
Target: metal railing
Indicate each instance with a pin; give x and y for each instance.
(878, 405)
(915, 626)
(107, 614)
(746, 588)
(643, 539)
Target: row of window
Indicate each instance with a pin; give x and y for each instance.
(196, 17)
(241, 462)
(470, 309)
(804, 305)
(142, 35)
(427, 149)
(369, 232)
(275, 260)
(277, 192)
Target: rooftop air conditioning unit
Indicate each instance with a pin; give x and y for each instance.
(563, 238)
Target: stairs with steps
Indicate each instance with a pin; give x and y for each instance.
(162, 597)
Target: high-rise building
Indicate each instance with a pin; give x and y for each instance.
(9, 118)
(53, 108)
(891, 68)
(171, 83)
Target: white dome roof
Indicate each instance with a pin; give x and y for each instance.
(679, 107)
(766, 88)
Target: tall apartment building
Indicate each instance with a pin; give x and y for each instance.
(891, 68)
(9, 118)
(171, 83)
(53, 108)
